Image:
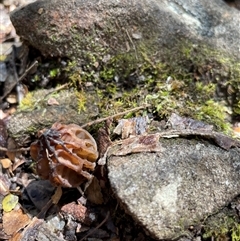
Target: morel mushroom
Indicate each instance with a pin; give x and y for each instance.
(64, 154)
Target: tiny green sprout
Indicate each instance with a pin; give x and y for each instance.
(81, 101)
(54, 72)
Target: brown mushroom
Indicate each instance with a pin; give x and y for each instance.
(64, 154)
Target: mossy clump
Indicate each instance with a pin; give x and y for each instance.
(28, 102)
(82, 99)
(222, 226)
(215, 113)
(235, 232)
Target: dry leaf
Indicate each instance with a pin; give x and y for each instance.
(11, 146)
(178, 123)
(236, 131)
(57, 195)
(131, 127)
(148, 143)
(12, 99)
(18, 162)
(224, 141)
(220, 139)
(103, 141)
(3, 115)
(3, 235)
(9, 202)
(30, 232)
(14, 221)
(6, 163)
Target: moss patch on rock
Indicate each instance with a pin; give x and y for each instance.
(189, 79)
(222, 226)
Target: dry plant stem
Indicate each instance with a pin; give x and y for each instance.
(14, 150)
(57, 195)
(57, 89)
(104, 220)
(43, 212)
(116, 115)
(80, 190)
(132, 43)
(27, 70)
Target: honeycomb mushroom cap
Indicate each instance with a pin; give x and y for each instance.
(65, 155)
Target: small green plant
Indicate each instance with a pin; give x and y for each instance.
(81, 101)
(28, 102)
(235, 232)
(54, 72)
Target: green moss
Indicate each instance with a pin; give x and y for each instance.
(222, 226)
(107, 73)
(82, 99)
(235, 232)
(183, 79)
(28, 102)
(54, 72)
(214, 113)
(171, 87)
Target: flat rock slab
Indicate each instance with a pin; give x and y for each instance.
(183, 183)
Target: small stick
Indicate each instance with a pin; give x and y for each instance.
(57, 89)
(132, 43)
(44, 210)
(14, 150)
(27, 70)
(115, 115)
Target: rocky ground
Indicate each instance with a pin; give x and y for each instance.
(187, 178)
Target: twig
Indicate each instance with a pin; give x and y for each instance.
(14, 150)
(116, 115)
(27, 70)
(132, 43)
(57, 89)
(104, 220)
(44, 210)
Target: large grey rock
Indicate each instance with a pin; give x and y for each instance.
(170, 190)
(84, 28)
